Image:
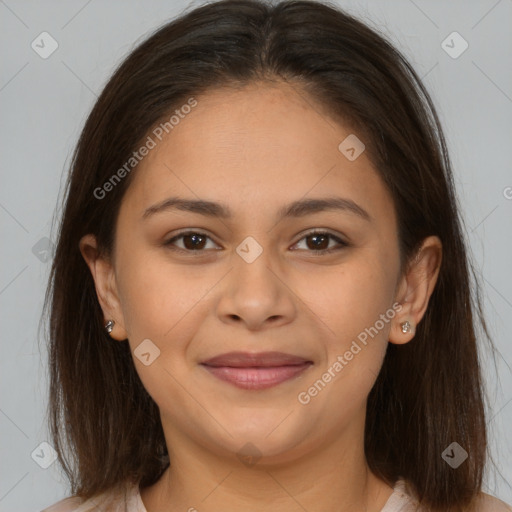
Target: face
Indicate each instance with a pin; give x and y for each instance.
(197, 285)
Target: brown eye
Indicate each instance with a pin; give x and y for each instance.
(318, 241)
(191, 240)
(194, 241)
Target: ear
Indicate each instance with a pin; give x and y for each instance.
(106, 289)
(415, 288)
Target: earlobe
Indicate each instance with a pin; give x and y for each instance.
(406, 327)
(402, 331)
(103, 275)
(415, 288)
(116, 332)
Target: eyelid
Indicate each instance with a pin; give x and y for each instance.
(188, 231)
(340, 240)
(315, 231)
(322, 231)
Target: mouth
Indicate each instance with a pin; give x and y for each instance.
(256, 370)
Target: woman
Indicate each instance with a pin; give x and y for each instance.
(260, 297)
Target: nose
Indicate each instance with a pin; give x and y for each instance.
(256, 294)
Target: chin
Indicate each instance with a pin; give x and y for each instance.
(267, 440)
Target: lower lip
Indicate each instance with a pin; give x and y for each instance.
(257, 377)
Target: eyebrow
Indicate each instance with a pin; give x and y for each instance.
(298, 208)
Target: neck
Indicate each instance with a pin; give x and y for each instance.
(335, 478)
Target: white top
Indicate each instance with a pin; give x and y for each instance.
(402, 500)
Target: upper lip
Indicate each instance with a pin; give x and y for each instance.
(248, 359)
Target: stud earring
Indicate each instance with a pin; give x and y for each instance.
(406, 327)
(109, 326)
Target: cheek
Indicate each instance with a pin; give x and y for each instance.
(156, 294)
(357, 308)
(353, 298)
(161, 303)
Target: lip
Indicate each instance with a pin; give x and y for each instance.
(256, 370)
(248, 359)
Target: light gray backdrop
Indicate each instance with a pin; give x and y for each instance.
(44, 99)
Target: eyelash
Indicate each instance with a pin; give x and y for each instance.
(342, 243)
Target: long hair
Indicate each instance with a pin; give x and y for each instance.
(105, 427)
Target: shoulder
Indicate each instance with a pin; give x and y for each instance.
(75, 504)
(66, 505)
(404, 499)
(113, 501)
(488, 503)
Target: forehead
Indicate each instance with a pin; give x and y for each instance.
(260, 145)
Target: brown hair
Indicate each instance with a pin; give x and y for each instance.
(105, 427)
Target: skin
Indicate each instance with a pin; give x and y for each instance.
(257, 149)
